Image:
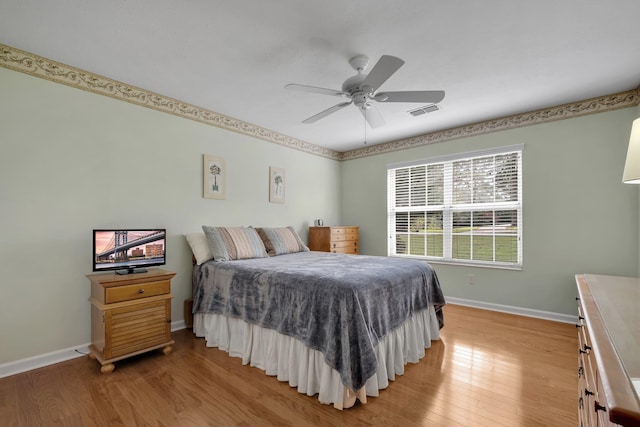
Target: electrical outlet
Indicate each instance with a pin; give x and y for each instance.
(472, 279)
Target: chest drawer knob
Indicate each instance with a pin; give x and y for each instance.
(141, 291)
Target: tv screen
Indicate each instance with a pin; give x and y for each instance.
(129, 250)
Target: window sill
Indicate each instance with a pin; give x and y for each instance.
(464, 263)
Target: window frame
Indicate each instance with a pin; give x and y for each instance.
(448, 208)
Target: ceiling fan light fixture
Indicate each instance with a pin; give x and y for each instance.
(359, 62)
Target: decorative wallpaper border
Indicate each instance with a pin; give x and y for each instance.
(600, 104)
(28, 63)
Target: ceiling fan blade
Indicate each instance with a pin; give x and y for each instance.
(422, 96)
(326, 112)
(384, 68)
(372, 116)
(314, 89)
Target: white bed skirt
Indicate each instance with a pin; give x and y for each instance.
(289, 360)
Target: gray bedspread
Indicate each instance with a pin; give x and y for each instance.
(340, 305)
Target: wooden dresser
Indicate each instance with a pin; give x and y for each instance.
(130, 314)
(339, 240)
(609, 350)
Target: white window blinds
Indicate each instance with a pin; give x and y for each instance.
(465, 208)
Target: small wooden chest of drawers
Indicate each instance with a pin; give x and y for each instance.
(130, 314)
(339, 239)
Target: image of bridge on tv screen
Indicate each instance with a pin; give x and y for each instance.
(117, 246)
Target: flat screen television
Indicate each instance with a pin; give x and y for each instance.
(129, 250)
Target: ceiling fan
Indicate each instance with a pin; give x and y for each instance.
(361, 90)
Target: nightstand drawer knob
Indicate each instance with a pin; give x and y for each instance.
(141, 291)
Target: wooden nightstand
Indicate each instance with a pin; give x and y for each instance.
(339, 240)
(130, 314)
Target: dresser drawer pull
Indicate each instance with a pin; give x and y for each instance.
(587, 347)
(599, 407)
(582, 351)
(580, 372)
(579, 326)
(580, 403)
(588, 392)
(141, 291)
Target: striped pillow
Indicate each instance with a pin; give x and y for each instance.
(281, 240)
(231, 243)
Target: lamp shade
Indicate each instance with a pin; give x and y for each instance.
(631, 173)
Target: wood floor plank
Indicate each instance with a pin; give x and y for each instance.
(488, 369)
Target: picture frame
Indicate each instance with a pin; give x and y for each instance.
(277, 184)
(214, 177)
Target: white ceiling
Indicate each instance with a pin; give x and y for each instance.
(493, 58)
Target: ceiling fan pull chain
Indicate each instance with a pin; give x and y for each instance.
(365, 127)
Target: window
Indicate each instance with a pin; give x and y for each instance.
(462, 209)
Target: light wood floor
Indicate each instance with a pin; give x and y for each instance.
(488, 369)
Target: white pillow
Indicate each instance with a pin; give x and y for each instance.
(199, 247)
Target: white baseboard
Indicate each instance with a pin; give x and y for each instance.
(176, 326)
(42, 360)
(528, 312)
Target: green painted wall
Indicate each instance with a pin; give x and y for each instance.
(71, 161)
(578, 216)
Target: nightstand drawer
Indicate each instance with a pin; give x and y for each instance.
(136, 327)
(132, 292)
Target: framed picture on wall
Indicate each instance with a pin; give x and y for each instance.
(215, 177)
(276, 184)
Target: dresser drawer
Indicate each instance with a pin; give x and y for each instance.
(341, 234)
(132, 292)
(344, 244)
(339, 239)
(346, 250)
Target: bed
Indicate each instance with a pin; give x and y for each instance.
(332, 325)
